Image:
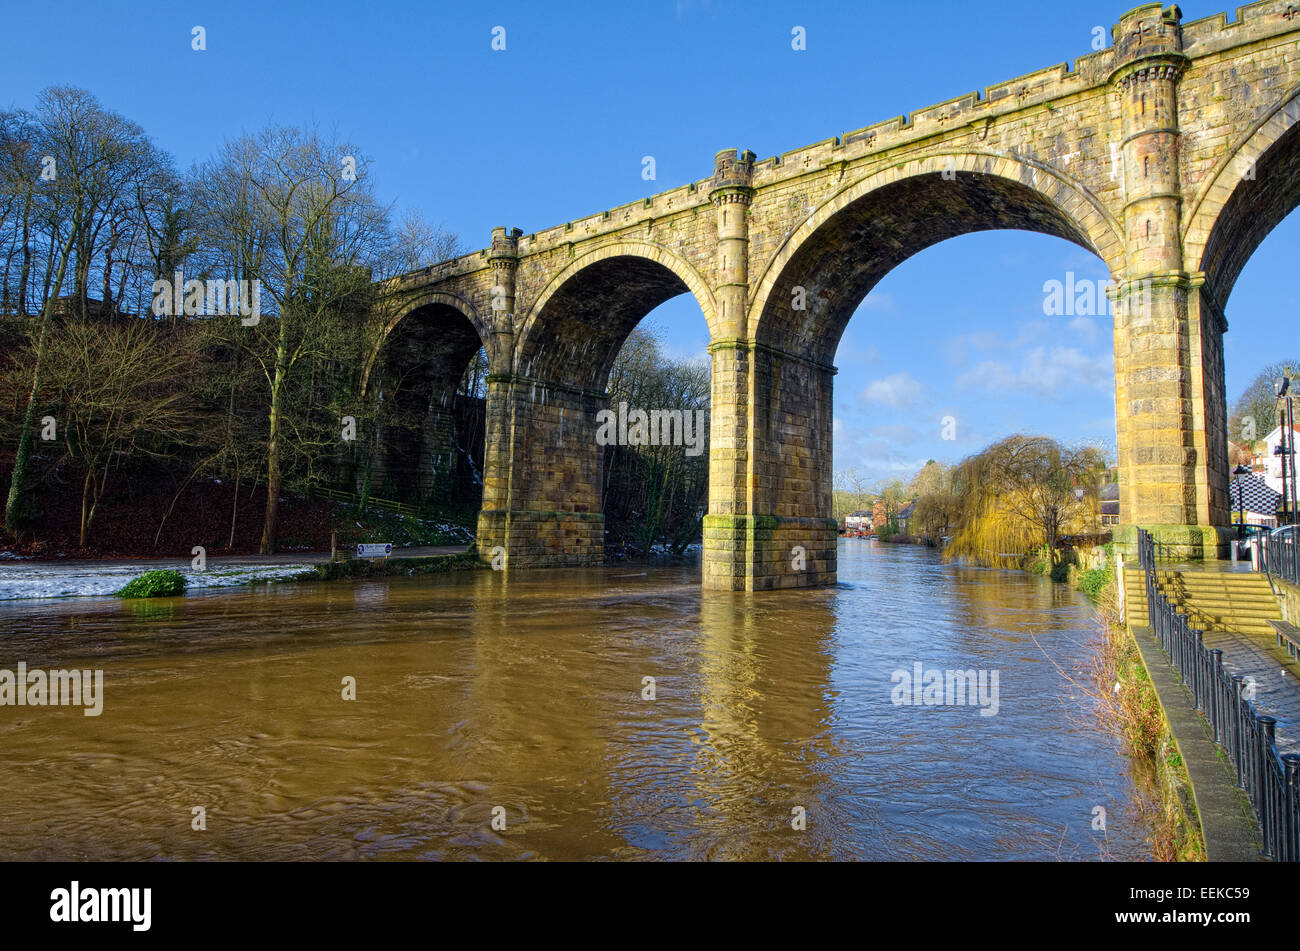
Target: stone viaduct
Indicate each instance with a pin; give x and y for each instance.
(1170, 154)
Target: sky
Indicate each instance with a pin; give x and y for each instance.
(555, 126)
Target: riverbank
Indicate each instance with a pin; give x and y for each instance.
(1133, 705)
(399, 567)
(156, 513)
(22, 580)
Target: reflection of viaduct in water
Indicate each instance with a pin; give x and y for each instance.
(766, 717)
(1170, 155)
(738, 719)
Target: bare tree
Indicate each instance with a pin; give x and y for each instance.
(656, 492)
(415, 244)
(67, 156)
(295, 212)
(69, 172)
(1254, 415)
(117, 389)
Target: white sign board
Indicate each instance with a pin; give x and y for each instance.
(382, 550)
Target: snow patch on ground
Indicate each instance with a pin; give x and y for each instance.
(23, 582)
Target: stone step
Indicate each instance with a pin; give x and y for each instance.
(1241, 603)
(1253, 590)
(1244, 609)
(1261, 585)
(1245, 573)
(1218, 597)
(1256, 583)
(1249, 630)
(1205, 621)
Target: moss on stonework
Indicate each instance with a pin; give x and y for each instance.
(1177, 542)
(392, 567)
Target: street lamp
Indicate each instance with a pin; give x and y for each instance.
(1286, 447)
(1280, 451)
(1241, 501)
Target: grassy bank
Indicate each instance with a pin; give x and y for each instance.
(398, 567)
(1133, 712)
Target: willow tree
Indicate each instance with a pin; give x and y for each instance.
(294, 212)
(1022, 494)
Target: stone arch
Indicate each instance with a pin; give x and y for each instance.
(837, 255)
(429, 439)
(432, 299)
(1235, 212)
(575, 328)
(985, 192)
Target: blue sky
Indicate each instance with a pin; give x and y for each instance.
(555, 127)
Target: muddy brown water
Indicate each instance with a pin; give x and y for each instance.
(522, 697)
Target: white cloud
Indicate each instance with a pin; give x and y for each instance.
(1031, 332)
(959, 347)
(878, 301)
(898, 391)
(1053, 372)
(850, 351)
(991, 375)
(897, 432)
(1085, 328)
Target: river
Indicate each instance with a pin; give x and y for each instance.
(483, 699)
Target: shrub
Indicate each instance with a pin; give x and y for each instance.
(1039, 562)
(154, 584)
(1055, 565)
(1093, 580)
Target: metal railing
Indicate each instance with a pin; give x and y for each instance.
(338, 495)
(1279, 556)
(1271, 780)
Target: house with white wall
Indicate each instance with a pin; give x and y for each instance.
(1273, 463)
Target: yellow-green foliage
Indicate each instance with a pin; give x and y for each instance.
(1012, 503)
(993, 536)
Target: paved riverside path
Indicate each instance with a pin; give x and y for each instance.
(1249, 654)
(1277, 680)
(1277, 676)
(1227, 821)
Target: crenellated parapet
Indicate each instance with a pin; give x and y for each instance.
(733, 174)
